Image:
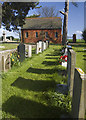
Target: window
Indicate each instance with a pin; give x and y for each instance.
(46, 34)
(56, 35)
(26, 34)
(36, 34)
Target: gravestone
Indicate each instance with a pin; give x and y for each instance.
(29, 50)
(21, 51)
(44, 45)
(71, 69)
(40, 46)
(37, 48)
(74, 38)
(79, 94)
(4, 36)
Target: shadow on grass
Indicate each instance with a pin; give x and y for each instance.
(79, 45)
(23, 108)
(41, 71)
(34, 85)
(47, 71)
(52, 58)
(50, 63)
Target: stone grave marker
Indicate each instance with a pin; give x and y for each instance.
(37, 48)
(79, 94)
(29, 50)
(40, 46)
(71, 69)
(21, 51)
(44, 45)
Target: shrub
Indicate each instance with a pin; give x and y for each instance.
(15, 59)
(84, 35)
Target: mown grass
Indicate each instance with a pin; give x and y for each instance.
(8, 46)
(29, 91)
(79, 48)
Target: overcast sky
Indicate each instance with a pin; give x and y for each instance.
(75, 18)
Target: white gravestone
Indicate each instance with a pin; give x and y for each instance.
(40, 46)
(37, 48)
(29, 50)
(44, 45)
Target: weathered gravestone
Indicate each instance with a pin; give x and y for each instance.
(79, 94)
(74, 38)
(40, 46)
(44, 45)
(37, 48)
(21, 51)
(71, 69)
(29, 50)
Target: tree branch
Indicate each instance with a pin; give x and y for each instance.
(62, 12)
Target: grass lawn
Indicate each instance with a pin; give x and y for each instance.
(29, 91)
(8, 46)
(80, 55)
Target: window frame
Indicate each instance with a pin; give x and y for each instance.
(56, 34)
(36, 34)
(26, 35)
(46, 34)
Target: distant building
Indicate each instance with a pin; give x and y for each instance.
(35, 29)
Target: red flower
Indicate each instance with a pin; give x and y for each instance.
(64, 58)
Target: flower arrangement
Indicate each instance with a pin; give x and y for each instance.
(15, 59)
(63, 59)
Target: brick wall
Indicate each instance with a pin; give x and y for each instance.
(33, 39)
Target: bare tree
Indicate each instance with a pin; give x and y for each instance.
(47, 12)
(65, 24)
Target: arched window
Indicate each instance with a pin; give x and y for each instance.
(46, 34)
(36, 34)
(26, 35)
(56, 35)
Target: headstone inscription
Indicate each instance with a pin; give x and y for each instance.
(21, 51)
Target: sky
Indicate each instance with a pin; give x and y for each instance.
(75, 17)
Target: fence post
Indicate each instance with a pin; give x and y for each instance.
(71, 69)
(29, 50)
(79, 94)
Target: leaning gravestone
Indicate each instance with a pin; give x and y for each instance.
(21, 51)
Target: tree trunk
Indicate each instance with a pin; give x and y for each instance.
(65, 24)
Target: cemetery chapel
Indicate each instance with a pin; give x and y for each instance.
(46, 28)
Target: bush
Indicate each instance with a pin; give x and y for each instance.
(84, 35)
(15, 59)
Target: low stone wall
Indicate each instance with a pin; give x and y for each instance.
(5, 62)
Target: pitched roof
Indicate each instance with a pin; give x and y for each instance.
(43, 23)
